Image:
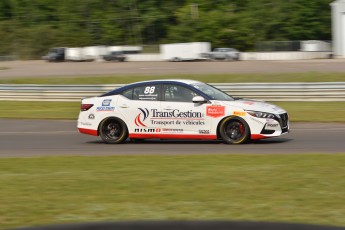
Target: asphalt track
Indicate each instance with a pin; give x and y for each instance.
(27, 138)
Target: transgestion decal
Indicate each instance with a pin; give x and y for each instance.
(169, 118)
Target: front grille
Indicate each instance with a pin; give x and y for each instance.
(283, 120)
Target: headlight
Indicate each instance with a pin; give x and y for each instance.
(261, 114)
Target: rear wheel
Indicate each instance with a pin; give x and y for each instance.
(234, 130)
(113, 131)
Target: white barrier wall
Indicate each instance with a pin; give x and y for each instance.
(280, 56)
(247, 56)
(144, 57)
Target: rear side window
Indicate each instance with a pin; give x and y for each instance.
(128, 93)
(146, 93)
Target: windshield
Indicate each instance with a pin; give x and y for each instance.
(212, 92)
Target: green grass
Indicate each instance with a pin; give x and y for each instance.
(306, 188)
(211, 78)
(39, 110)
(3, 68)
(299, 111)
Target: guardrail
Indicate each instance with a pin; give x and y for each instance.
(324, 91)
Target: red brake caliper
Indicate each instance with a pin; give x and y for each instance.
(241, 128)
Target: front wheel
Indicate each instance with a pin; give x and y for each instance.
(234, 130)
(113, 131)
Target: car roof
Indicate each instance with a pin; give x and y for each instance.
(185, 81)
(141, 83)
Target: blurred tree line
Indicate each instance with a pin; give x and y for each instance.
(28, 28)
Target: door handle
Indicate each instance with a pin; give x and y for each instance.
(123, 106)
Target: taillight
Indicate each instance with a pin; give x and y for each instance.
(85, 107)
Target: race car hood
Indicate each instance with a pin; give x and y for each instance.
(255, 105)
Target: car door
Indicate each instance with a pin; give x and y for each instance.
(137, 106)
(180, 116)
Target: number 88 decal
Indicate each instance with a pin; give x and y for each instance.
(149, 90)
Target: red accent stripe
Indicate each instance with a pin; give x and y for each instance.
(88, 131)
(135, 120)
(139, 121)
(257, 136)
(172, 136)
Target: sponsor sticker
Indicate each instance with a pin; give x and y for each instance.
(91, 116)
(204, 131)
(174, 117)
(248, 102)
(105, 109)
(106, 102)
(239, 113)
(141, 117)
(215, 111)
(145, 130)
(177, 114)
(165, 130)
(272, 125)
(85, 123)
(105, 106)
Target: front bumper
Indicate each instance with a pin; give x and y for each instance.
(270, 127)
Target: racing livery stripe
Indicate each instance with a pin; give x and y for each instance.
(172, 136)
(88, 131)
(257, 136)
(137, 120)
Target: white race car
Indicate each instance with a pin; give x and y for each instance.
(178, 109)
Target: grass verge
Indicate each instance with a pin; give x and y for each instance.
(215, 78)
(39, 110)
(306, 188)
(299, 111)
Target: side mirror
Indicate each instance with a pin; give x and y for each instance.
(199, 99)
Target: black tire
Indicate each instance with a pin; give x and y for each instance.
(234, 130)
(113, 131)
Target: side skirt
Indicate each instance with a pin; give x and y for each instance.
(172, 136)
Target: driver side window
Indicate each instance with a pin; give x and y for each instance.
(178, 93)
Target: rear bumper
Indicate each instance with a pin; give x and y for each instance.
(88, 131)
